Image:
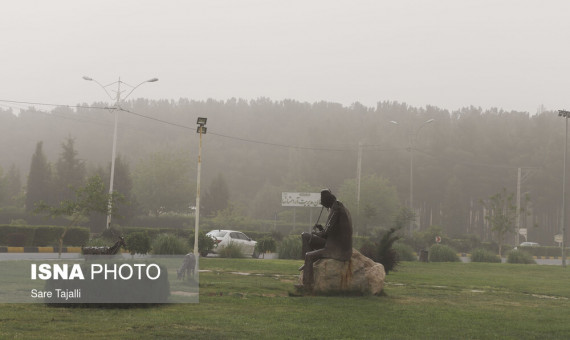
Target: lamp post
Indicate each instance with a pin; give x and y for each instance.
(201, 130)
(565, 114)
(115, 108)
(412, 136)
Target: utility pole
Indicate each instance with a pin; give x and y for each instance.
(517, 236)
(358, 177)
(565, 114)
(201, 130)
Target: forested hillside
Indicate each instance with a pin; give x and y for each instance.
(257, 149)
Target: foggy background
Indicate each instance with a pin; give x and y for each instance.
(290, 89)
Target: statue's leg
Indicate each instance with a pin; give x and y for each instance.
(310, 258)
(311, 242)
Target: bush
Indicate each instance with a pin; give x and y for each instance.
(232, 250)
(442, 253)
(266, 244)
(76, 236)
(138, 243)
(47, 236)
(290, 248)
(168, 244)
(16, 239)
(405, 252)
(41, 236)
(205, 243)
(520, 256)
(484, 255)
(98, 242)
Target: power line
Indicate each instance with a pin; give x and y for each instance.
(55, 105)
(489, 165)
(351, 149)
(239, 138)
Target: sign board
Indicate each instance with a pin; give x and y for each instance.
(438, 239)
(558, 238)
(300, 199)
(523, 231)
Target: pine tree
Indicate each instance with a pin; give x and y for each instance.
(70, 171)
(218, 196)
(39, 180)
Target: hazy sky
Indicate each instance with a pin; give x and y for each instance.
(513, 55)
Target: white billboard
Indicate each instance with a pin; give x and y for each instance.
(300, 199)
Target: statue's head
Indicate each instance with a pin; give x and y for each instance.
(327, 198)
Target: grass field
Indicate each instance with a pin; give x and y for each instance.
(250, 299)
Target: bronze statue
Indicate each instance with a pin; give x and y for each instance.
(334, 240)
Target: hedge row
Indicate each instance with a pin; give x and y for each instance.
(544, 251)
(41, 236)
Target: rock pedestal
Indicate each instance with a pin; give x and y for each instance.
(359, 275)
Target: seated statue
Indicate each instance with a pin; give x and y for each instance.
(334, 240)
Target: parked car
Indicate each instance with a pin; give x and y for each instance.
(222, 238)
(529, 244)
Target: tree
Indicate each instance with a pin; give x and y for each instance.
(39, 188)
(70, 171)
(93, 197)
(161, 183)
(454, 208)
(217, 197)
(501, 214)
(11, 188)
(378, 202)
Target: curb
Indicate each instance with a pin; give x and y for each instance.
(39, 249)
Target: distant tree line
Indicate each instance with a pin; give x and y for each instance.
(256, 149)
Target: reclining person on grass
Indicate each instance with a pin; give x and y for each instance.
(333, 241)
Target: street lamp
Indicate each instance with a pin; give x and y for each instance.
(566, 115)
(116, 108)
(412, 136)
(201, 130)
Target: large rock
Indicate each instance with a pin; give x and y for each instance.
(359, 275)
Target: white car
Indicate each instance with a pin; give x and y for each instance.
(222, 238)
(529, 244)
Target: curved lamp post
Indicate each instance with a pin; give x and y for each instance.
(115, 108)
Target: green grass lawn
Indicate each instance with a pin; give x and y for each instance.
(250, 299)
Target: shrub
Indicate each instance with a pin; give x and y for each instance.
(386, 254)
(484, 255)
(232, 250)
(442, 253)
(168, 244)
(404, 251)
(98, 242)
(266, 244)
(47, 236)
(16, 239)
(520, 256)
(205, 243)
(76, 236)
(138, 243)
(290, 248)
